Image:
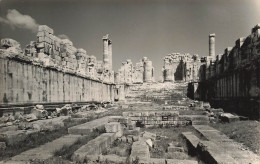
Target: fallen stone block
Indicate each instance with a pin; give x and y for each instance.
(47, 150)
(212, 153)
(89, 126)
(154, 161)
(140, 150)
(192, 142)
(13, 137)
(111, 159)
(175, 149)
(39, 112)
(112, 127)
(94, 147)
(148, 135)
(149, 142)
(228, 117)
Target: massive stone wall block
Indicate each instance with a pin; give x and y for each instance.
(27, 83)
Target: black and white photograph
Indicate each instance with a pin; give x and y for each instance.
(180, 85)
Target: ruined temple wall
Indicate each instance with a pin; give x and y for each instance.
(232, 81)
(23, 82)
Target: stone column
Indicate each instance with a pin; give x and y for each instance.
(105, 52)
(148, 71)
(110, 54)
(212, 45)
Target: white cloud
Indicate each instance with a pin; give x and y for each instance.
(17, 20)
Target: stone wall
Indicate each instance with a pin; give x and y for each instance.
(181, 67)
(22, 83)
(232, 81)
(52, 70)
(142, 72)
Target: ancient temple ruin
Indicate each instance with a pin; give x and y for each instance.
(51, 69)
(180, 67)
(142, 72)
(231, 80)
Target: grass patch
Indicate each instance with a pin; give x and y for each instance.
(246, 132)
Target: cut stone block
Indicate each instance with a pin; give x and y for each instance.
(228, 117)
(192, 142)
(95, 146)
(213, 153)
(175, 149)
(112, 159)
(112, 127)
(140, 150)
(149, 142)
(148, 135)
(13, 137)
(154, 161)
(89, 126)
(177, 161)
(47, 150)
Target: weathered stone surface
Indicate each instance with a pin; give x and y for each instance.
(114, 127)
(228, 117)
(192, 141)
(148, 135)
(46, 151)
(176, 161)
(39, 111)
(95, 146)
(175, 149)
(89, 126)
(213, 153)
(181, 67)
(112, 158)
(140, 150)
(219, 145)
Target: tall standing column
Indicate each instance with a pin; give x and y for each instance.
(110, 54)
(212, 45)
(105, 52)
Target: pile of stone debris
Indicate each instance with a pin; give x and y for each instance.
(40, 113)
(215, 115)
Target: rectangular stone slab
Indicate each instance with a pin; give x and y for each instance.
(213, 153)
(177, 161)
(47, 150)
(89, 126)
(140, 150)
(95, 146)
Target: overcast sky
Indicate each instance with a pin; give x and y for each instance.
(137, 28)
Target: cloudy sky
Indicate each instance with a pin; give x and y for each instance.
(152, 28)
